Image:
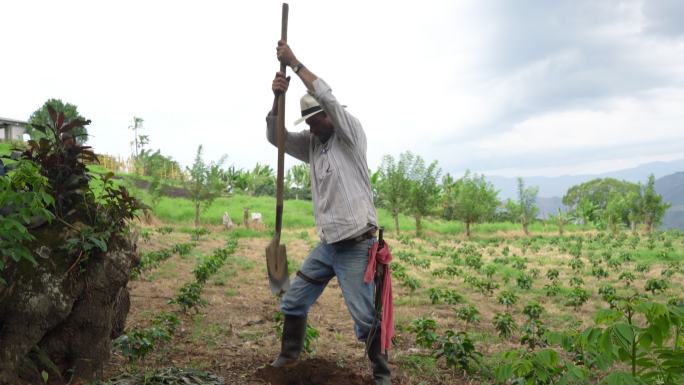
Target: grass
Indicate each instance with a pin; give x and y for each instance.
(5, 148)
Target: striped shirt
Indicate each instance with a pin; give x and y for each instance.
(340, 186)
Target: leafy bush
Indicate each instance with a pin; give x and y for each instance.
(23, 195)
(656, 285)
(504, 324)
(577, 297)
(458, 350)
(507, 298)
(524, 281)
(425, 329)
(51, 180)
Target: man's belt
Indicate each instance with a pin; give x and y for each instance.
(363, 237)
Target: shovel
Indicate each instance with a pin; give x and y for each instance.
(276, 255)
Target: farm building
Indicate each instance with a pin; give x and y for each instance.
(11, 129)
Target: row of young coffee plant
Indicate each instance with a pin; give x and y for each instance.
(137, 343)
(152, 259)
(189, 296)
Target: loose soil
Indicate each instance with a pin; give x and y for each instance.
(311, 372)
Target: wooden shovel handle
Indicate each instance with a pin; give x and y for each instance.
(280, 135)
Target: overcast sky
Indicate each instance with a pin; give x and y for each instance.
(503, 87)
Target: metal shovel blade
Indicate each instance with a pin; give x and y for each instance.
(276, 264)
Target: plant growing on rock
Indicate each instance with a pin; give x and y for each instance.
(86, 255)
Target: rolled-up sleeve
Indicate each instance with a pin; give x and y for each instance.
(346, 125)
(296, 143)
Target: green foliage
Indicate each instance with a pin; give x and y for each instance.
(449, 296)
(42, 117)
(468, 313)
(552, 290)
(638, 334)
(552, 274)
(24, 196)
(205, 183)
(504, 324)
(472, 199)
(656, 285)
(627, 277)
(138, 343)
(425, 329)
(198, 232)
(577, 297)
(164, 230)
(524, 281)
(423, 190)
(525, 209)
(89, 223)
(652, 205)
(189, 296)
(458, 350)
(614, 204)
(542, 367)
(533, 310)
(298, 182)
(589, 200)
(507, 298)
(412, 283)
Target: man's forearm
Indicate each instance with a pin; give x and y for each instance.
(307, 76)
(274, 109)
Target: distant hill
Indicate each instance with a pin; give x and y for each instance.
(671, 187)
(558, 186)
(549, 206)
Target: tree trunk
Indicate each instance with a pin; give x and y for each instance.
(197, 214)
(395, 214)
(70, 316)
(524, 226)
(467, 225)
(419, 230)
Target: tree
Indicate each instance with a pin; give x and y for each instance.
(474, 199)
(157, 166)
(525, 208)
(393, 185)
(205, 183)
(561, 218)
(423, 189)
(41, 117)
(652, 205)
(448, 186)
(138, 140)
(588, 200)
(298, 181)
(617, 211)
(261, 180)
(235, 178)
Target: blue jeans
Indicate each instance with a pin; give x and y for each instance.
(347, 261)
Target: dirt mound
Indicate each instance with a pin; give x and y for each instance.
(311, 372)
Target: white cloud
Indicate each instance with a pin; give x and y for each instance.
(625, 121)
(470, 84)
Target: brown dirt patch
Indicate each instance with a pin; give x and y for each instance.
(311, 372)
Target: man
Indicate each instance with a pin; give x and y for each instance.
(335, 148)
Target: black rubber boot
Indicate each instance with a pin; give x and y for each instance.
(379, 362)
(293, 340)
